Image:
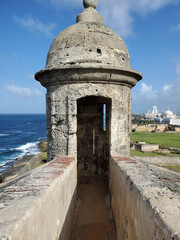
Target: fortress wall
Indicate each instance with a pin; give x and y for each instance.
(144, 128)
(143, 207)
(177, 129)
(40, 204)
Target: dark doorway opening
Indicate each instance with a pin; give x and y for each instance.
(94, 217)
(93, 136)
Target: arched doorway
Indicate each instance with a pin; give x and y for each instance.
(93, 135)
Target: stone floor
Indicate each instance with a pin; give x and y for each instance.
(94, 219)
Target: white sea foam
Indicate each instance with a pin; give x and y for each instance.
(17, 131)
(28, 148)
(2, 163)
(4, 134)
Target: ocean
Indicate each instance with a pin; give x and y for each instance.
(20, 134)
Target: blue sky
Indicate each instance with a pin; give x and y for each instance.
(150, 29)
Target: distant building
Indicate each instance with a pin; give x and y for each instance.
(168, 118)
(155, 110)
(152, 114)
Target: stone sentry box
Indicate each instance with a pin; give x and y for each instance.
(88, 79)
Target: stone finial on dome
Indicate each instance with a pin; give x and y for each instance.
(89, 14)
(90, 3)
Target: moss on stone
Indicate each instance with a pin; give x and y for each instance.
(44, 156)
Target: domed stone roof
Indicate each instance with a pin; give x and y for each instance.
(88, 41)
(89, 45)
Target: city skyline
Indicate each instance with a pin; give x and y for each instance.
(150, 111)
(150, 29)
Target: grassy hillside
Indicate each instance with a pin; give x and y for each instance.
(163, 139)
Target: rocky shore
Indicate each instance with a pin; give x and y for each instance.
(24, 164)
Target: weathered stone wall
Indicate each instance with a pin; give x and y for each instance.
(62, 116)
(160, 160)
(145, 200)
(41, 204)
(145, 128)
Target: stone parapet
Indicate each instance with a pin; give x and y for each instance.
(41, 203)
(145, 199)
(159, 160)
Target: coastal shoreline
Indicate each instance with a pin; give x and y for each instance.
(20, 135)
(21, 165)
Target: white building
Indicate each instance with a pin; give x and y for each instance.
(168, 118)
(155, 111)
(152, 114)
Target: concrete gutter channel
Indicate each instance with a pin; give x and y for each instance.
(145, 199)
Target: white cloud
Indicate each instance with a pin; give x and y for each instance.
(166, 88)
(123, 22)
(148, 97)
(147, 91)
(22, 92)
(37, 93)
(118, 14)
(147, 6)
(34, 25)
(145, 96)
(176, 28)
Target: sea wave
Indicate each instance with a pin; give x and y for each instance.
(2, 163)
(30, 133)
(31, 148)
(17, 153)
(17, 131)
(5, 134)
(42, 138)
(19, 135)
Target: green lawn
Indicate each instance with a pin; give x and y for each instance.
(176, 168)
(163, 139)
(138, 153)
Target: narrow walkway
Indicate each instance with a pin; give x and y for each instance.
(94, 219)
